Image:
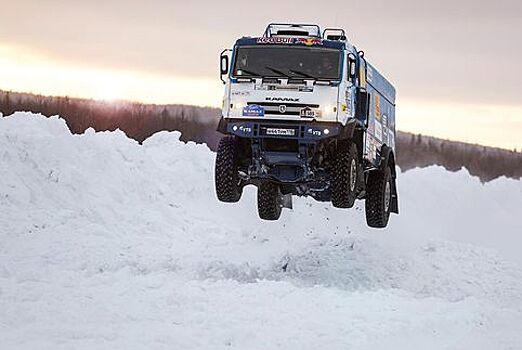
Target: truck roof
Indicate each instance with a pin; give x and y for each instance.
(291, 40)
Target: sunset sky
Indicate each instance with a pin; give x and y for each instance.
(455, 63)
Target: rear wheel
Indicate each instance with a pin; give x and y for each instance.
(378, 198)
(269, 201)
(228, 185)
(345, 170)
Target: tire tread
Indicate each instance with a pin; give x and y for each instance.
(268, 204)
(342, 196)
(376, 216)
(226, 175)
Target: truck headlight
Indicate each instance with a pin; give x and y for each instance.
(239, 105)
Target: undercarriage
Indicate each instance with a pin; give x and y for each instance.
(320, 160)
(295, 155)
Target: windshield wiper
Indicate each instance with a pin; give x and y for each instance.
(303, 74)
(280, 72)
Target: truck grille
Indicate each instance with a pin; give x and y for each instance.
(275, 108)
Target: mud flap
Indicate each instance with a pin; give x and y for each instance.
(286, 201)
(394, 205)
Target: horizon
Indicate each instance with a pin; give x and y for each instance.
(433, 53)
(115, 102)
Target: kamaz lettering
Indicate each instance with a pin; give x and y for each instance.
(282, 99)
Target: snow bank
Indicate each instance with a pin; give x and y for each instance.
(108, 244)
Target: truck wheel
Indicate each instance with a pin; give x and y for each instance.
(378, 197)
(269, 204)
(344, 175)
(228, 187)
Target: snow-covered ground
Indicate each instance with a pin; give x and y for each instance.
(106, 244)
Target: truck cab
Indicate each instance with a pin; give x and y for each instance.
(305, 114)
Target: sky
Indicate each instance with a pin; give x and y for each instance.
(455, 63)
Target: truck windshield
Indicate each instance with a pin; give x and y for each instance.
(287, 61)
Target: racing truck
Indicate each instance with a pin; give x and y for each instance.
(305, 114)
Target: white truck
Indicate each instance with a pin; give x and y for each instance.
(305, 114)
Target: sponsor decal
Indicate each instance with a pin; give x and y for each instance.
(377, 99)
(391, 140)
(385, 130)
(245, 129)
(372, 146)
(275, 40)
(314, 132)
(253, 111)
(371, 126)
(283, 40)
(309, 41)
(306, 112)
(242, 129)
(378, 131)
(280, 132)
(348, 96)
(282, 99)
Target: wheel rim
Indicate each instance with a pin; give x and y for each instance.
(387, 196)
(353, 175)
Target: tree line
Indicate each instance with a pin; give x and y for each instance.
(139, 121)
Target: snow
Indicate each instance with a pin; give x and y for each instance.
(108, 244)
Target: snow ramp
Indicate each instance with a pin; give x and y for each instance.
(108, 244)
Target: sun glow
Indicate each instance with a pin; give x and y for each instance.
(485, 124)
(109, 90)
(26, 71)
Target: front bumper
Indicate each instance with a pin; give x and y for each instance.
(288, 166)
(303, 131)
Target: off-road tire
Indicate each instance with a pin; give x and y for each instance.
(228, 187)
(377, 212)
(344, 175)
(269, 204)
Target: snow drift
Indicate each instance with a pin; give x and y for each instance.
(108, 244)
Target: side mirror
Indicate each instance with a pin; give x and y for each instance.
(223, 65)
(351, 66)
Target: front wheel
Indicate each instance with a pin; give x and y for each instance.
(345, 170)
(228, 185)
(269, 201)
(378, 198)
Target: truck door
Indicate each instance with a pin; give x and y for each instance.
(349, 88)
